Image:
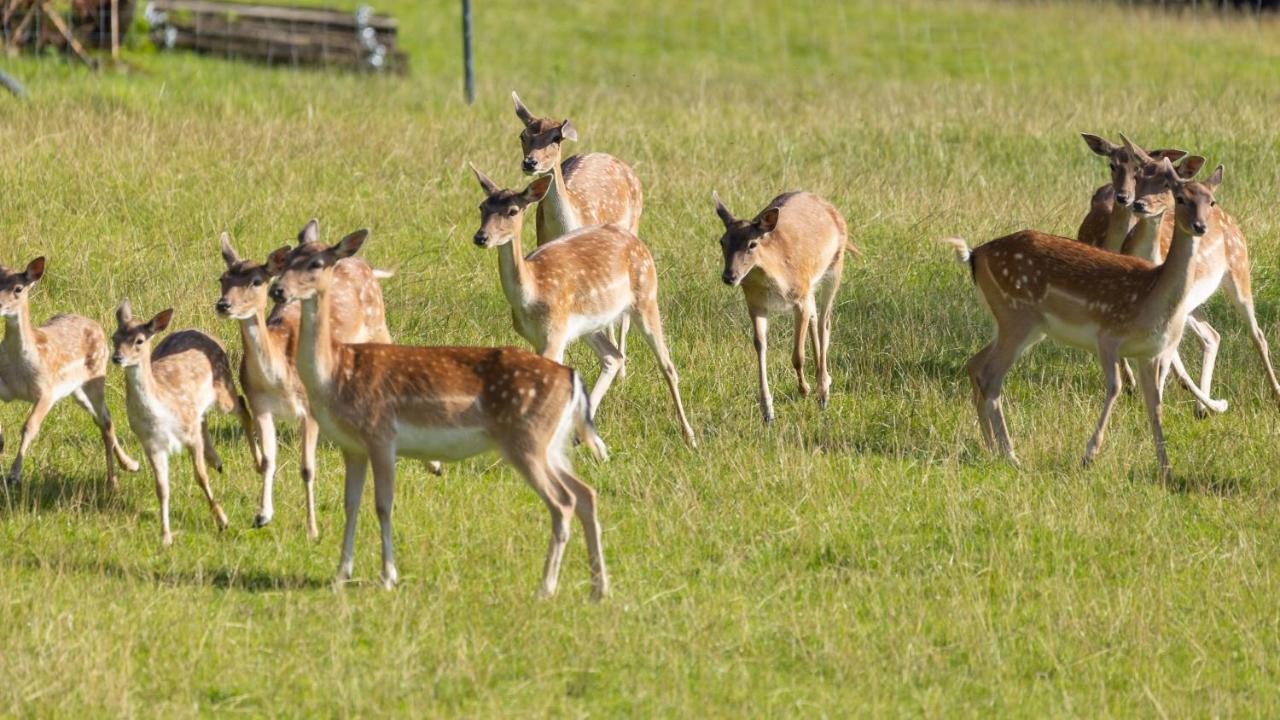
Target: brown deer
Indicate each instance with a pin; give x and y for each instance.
(1221, 261)
(167, 395)
(1114, 305)
(1110, 217)
(268, 373)
(576, 287)
(377, 402)
(790, 256)
(42, 365)
(591, 189)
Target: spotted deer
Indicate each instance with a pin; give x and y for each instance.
(43, 364)
(168, 393)
(591, 189)
(1038, 285)
(790, 256)
(1221, 260)
(378, 401)
(576, 287)
(268, 372)
(1110, 217)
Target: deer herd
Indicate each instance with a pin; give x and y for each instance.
(316, 350)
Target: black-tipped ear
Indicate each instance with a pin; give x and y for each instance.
(1215, 179)
(310, 232)
(488, 185)
(522, 112)
(35, 269)
(124, 312)
(160, 322)
(1190, 166)
(726, 217)
(568, 132)
(229, 255)
(278, 259)
(768, 220)
(1097, 144)
(351, 244)
(536, 190)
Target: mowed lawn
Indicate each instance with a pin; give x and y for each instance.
(866, 560)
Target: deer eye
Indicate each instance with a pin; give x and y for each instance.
(1213, 203)
(1179, 200)
(257, 282)
(751, 246)
(137, 341)
(317, 264)
(512, 211)
(17, 289)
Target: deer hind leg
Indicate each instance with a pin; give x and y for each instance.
(974, 370)
(160, 468)
(650, 323)
(1238, 289)
(585, 508)
(92, 396)
(804, 312)
(310, 436)
(560, 503)
(198, 457)
(826, 306)
(624, 327)
(610, 363)
(30, 429)
(1110, 361)
(357, 466)
(1126, 370)
(1147, 371)
(267, 441)
(207, 450)
(247, 424)
(1210, 340)
(760, 329)
(1012, 339)
(383, 460)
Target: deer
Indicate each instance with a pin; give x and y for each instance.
(377, 402)
(591, 189)
(268, 372)
(168, 393)
(575, 287)
(43, 364)
(1037, 285)
(790, 256)
(1110, 217)
(1221, 261)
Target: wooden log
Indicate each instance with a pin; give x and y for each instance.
(272, 12)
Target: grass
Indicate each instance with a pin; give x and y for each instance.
(866, 560)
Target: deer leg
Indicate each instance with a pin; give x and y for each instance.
(356, 466)
(267, 439)
(247, 424)
(310, 437)
(650, 323)
(559, 504)
(760, 326)
(973, 369)
(160, 468)
(30, 429)
(1110, 361)
(92, 396)
(610, 363)
(1242, 298)
(624, 327)
(209, 452)
(1012, 339)
(1210, 340)
(553, 347)
(826, 305)
(585, 508)
(198, 457)
(1150, 393)
(383, 460)
(1127, 370)
(803, 312)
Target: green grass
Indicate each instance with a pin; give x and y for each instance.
(866, 560)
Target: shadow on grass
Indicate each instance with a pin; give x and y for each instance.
(53, 490)
(1207, 483)
(252, 581)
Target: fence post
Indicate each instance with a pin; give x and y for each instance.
(466, 52)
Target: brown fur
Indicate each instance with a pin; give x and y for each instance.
(1107, 221)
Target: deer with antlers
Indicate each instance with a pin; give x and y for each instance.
(268, 371)
(790, 256)
(168, 394)
(43, 364)
(576, 287)
(591, 189)
(1038, 285)
(377, 402)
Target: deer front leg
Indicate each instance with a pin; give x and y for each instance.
(356, 466)
(310, 436)
(760, 326)
(266, 431)
(1107, 357)
(30, 429)
(198, 458)
(1147, 371)
(160, 468)
(383, 461)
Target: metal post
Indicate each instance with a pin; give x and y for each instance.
(466, 51)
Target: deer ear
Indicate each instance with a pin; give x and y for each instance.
(1099, 146)
(229, 255)
(1172, 154)
(1191, 165)
(1216, 178)
(1138, 152)
(351, 244)
(310, 232)
(488, 185)
(537, 190)
(277, 260)
(726, 217)
(522, 112)
(35, 269)
(160, 322)
(124, 312)
(768, 220)
(568, 132)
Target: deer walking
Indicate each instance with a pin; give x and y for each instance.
(43, 364)
(377, 402)
(1038, 285)
(591, 189)
(790, 256)
(576, 287)
(169, 392)
(1110, 216)
(268, 372)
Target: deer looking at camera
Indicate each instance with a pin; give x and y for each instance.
(789, 257)
(168, 393)
(591, 189)
(1110, 217)
(1114, 305)
(377, 402)
(576, 287)
(43, 364)
(268, 372)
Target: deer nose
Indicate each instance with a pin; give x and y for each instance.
(529, 164)
(1138, 206)
(277, 293)
(481, 238)
(728, 277)
(1199, 227)
(1122, 199)
(117, 358)
(222, 306)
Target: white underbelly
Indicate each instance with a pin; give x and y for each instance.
(580, 325)
(442, 443)
(1078, 335)
(1202, 290)
(331, 431)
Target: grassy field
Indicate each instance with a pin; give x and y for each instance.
(865, 560)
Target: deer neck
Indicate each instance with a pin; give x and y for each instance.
(263, 356)
(517, 278)
(561, 214)
(1145, 240)
(19, 344)
(139, 383)
(1174, 281)
(1117, 227)
(315, 345)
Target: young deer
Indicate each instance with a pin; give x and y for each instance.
(41, 365)
(168, 393)
(591, 189)
(789, 257)
(576, 287)
(1117, 306)
(377, 402)
(1110, 218)
(1222, 255)
(268, 373)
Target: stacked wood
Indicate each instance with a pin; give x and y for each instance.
(278, 35)
(33, 25)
